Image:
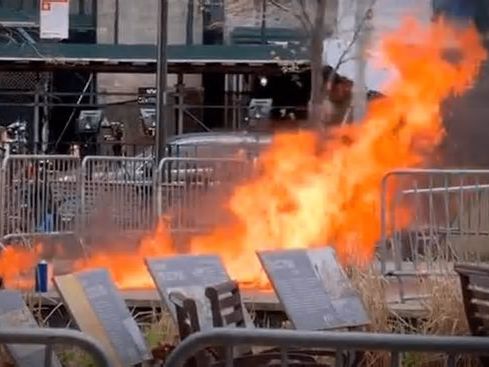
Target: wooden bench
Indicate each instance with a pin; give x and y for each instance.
(187, 317)
(227, 311)
(226, 304)
(474, 281)
(188, 323)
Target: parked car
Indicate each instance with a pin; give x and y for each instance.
(213, 144)
(205, 145)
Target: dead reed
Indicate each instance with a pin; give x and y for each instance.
(443, 312)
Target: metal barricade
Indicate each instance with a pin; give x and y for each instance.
(117, 194)
(189, 190)
(52, 337)
(432, 217)
(396, 344)
(39, 195)
(61, 195)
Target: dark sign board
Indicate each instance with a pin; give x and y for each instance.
(15, 314)
(99, 310)
(338, 286)
(189, 275)
(313, 288)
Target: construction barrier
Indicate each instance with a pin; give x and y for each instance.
(39, 195)
(60, 195)
(431, 217)
(189, 189)
(63, 196)
(395, 344)
(117, 194)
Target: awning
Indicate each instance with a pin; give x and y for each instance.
(142, 58)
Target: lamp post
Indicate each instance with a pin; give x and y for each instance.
(161, 76)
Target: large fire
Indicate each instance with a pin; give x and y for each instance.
(314, 189)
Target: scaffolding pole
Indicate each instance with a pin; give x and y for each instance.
(161, 82)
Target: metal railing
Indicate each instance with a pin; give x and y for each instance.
(62, 196)
(188, 189)
(117, 190)
(112, 148)
(52, 337)
(396, 344)
(429, 218)
(433, 217)
(38, 194)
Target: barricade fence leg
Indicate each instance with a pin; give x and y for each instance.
(431, 218)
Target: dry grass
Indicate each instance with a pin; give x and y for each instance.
(443, 305)
(161, 332)
(445, 308)
(373, 288)
(444, 315)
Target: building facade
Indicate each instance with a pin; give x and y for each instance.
(128, 22)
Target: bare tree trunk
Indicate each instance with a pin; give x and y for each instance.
(362, 20)
(317, 38)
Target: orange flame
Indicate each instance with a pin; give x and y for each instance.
(313, 189)
(128, 269)
(16, 263)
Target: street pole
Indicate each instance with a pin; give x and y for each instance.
(190, 23)
(161, 76)
(263, 21)
(36, 118)
(363, 25)
(116, 22)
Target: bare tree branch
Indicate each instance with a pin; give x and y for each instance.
(307, 26)
(342, 59)
(280, 6)
(304, 15)
(358, 29)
